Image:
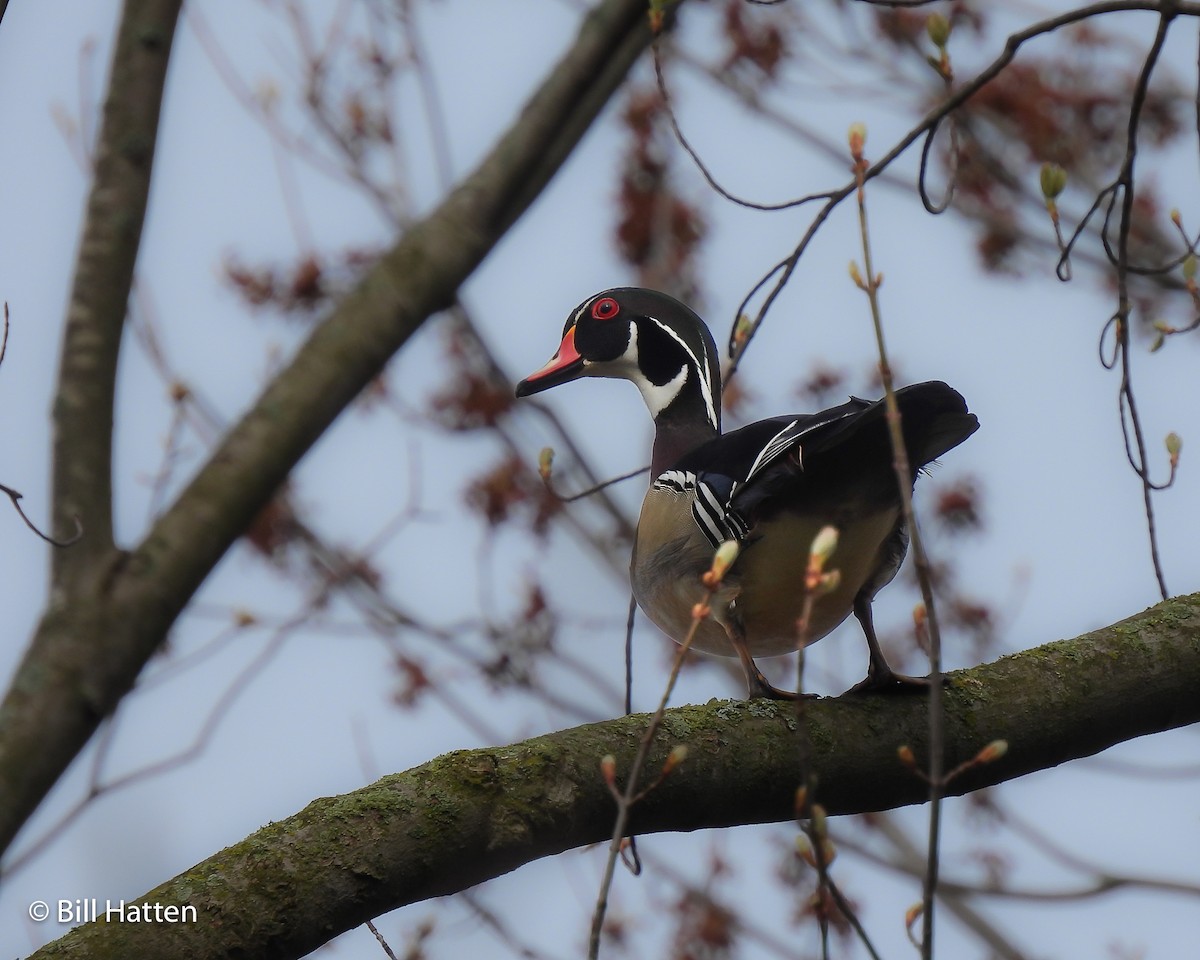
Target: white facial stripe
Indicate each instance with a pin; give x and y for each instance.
(700, 368)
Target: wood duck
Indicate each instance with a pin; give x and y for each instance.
(771, 486)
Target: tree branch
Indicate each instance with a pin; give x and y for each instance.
(108, 249)
(50, 710)
(476, 814)
(88, 651)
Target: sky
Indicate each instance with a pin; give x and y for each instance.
(1064, 552)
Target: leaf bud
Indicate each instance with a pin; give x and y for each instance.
(857, 138)
(677, 755)
(829, 582)
(723, 559)
(804, 849)
(938, 29)
(801, 800)
(1174, 445)
(823, 545)
(856, 276)
(911, 916)
(819, 820)
(992, 752)
(1053, 180)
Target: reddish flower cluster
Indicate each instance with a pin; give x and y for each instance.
(657, 232)
(509, 486)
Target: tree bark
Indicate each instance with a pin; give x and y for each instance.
(110, 609)
(59, 694)
(476, 814)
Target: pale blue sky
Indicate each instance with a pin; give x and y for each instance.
(1061, 505)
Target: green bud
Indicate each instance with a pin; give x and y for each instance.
(1189, 267)
(820, 820)
(723, 559)
(824, 543)
(1053, 179)
(938, 28)
(742, 329)
(992, 752)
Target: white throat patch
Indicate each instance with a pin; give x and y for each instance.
(658, 396)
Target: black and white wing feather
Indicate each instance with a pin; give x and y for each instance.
(725, 472)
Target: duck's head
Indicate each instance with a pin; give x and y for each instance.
(646, 337)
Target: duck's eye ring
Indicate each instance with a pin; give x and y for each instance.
(605, 308)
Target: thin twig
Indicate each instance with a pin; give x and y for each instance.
(630, 618)
(382, 942)
(627, 797)
(945, 71)
(691, 151)
(903, 471)
(16, 497)
(594, 488)
(785, 267)
(4, 341)
(723, 559)
(1128, 402)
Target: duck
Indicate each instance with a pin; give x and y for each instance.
(770, 486)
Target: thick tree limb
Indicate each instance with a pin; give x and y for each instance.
(83, 407)
(472, 815)
(94, 640)
(52, 708)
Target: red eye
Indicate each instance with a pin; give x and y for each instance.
(605, 308)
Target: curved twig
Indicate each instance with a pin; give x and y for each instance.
(960, 96)
(16, 498)
(1125, 182)
(660, 79)
(926, 148)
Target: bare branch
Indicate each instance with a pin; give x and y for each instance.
(93, 648)
(83, 406)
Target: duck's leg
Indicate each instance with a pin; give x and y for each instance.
(757, 685)
(880, 676)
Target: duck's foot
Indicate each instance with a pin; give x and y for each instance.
(759, 686)
(756, 684)
(888, 681)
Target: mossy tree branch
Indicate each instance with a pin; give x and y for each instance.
(472, 815)
(95, 637)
